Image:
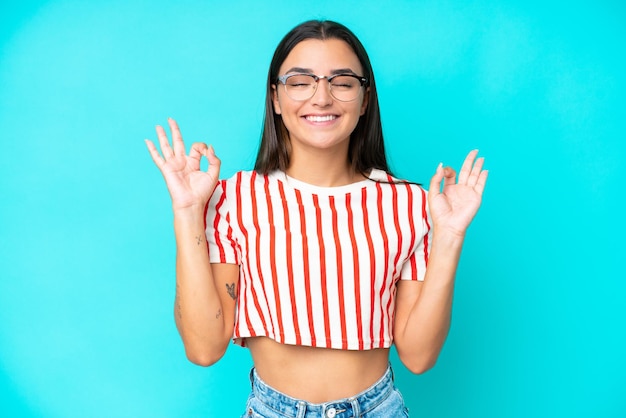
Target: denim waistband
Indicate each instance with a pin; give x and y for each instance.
(353, 406)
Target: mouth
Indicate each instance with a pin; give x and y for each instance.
(320, 118)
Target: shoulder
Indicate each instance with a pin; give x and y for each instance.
(390, 181)
(239, 177)
(248, 179)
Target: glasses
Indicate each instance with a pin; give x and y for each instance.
(343, 87)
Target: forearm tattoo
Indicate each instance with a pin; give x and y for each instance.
(199, 239)
(218, 314)
(230, 288)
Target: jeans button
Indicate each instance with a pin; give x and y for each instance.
(331, 412)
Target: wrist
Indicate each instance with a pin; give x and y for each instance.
(189, 215)
(447, 238)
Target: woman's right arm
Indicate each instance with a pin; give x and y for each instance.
(204, 307)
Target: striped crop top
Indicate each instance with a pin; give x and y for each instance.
(318, 265)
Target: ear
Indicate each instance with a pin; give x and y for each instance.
(366, 98)
(275, 99)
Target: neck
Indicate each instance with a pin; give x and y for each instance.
(325, 169)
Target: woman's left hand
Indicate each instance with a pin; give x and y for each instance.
(453, 208)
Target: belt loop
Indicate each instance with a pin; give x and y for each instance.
(301, 407)
(356, 408)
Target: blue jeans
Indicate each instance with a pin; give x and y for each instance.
(381, 400)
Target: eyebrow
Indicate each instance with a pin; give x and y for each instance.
(310, 71)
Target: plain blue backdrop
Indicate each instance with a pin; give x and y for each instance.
(86, 242)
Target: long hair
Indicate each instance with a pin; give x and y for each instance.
(366, 149)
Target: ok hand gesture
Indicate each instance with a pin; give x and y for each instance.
(454, 207)
(189, 187)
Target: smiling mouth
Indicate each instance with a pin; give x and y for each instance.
(326, 118)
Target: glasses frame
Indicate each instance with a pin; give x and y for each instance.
(283, 80)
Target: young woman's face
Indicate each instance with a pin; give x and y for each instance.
(321, 122)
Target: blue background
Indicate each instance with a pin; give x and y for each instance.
(86, 241)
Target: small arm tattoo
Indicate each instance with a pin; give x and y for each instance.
(199, 239)
(218, 314)
(230, 288)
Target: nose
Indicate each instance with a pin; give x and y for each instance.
(322, 96)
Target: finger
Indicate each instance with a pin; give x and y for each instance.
(476, 170)
(467, 166)
(164, 142)
(449, 177)
(435, 181)
(482, 180)
(214, 162)
(198, 149)
(177, 138)
(154, 153)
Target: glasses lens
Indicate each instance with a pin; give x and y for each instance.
(345, 88)
(300, 87)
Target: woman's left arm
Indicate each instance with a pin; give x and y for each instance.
(423, 309)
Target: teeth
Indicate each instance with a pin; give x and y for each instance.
(321, 118)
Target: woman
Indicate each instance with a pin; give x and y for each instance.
(317, 259)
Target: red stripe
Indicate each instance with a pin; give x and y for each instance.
(245, 234)
(292, 295)
(396, 222)
(272, 247)
(412, 230)
(342, 308)
(370, 246)
(413, 261)
(259, 272)
(357, 274)
(235, 245)
(216, 222)
(383, 232)
(425, 218)
(318, 218)
(305, 260)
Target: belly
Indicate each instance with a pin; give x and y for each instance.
(316, 374)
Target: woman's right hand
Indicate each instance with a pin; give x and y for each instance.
(189, 187)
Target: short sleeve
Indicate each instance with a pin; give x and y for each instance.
(415, 266)
(219, 233)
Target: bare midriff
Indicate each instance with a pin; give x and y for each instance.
(316, 375)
